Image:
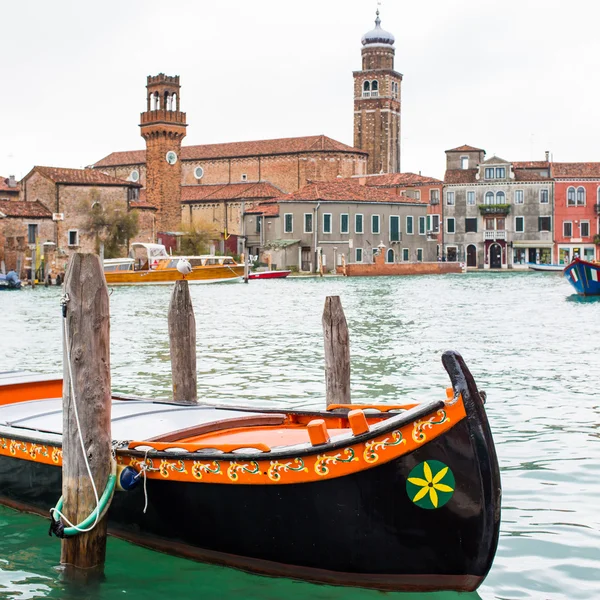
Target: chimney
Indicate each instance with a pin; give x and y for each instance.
(547, 155)
(12, 181)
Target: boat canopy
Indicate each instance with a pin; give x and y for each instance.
(152, 250)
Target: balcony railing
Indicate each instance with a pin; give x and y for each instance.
(434, 201)
(494, 209)
(494, 234)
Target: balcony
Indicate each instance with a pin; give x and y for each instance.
(434, 201)
(494, 209)
(493, 234)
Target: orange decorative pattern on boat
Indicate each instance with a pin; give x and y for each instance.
(312, 467)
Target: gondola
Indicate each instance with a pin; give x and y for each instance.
(402, 497)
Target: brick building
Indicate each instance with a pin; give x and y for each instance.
(69, 195)
(324, 221)
(9, 188)
(377, 102)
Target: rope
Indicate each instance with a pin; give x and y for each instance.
(63, 302)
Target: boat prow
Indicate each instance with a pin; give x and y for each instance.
(584, 276)
(403, 497)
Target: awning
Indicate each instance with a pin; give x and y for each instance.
(533, 244)
(280, 244)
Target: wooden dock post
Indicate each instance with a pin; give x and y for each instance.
(337, 352)
(182, 341)
(86, 382)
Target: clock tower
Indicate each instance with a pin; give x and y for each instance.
(163, 127)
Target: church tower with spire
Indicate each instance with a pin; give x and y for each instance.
(377, 102)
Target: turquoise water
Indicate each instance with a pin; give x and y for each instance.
(531, 344)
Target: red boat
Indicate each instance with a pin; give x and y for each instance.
(269, 275)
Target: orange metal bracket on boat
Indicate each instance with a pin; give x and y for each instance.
(380, 407)
(358, 422)
(317, 432)
(192, 447)
(449, 393)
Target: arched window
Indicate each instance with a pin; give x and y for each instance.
(489, 198)
(571, 196)
(389, 257)
(156, 101)
(580, 196)
(500, 198)
(366, 89)
(374, 88)
(174, 102)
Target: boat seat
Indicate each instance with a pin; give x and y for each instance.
(236, 422)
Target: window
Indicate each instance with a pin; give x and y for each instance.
(244, 177)
(464, 162)
(519, 224)
(308, 225)
(518, 196)
(417, 194)
(489, 198)
(288, 223)
(73, 237)
(544, 198)
(471, 225)
(500, 198)
(450, 227)
(544, 223)
(394, 89)
(567, 229)
(198, 172)
(434, 196)
(580, 196)
(571, 196)
(375, 224)
(404, 253)
(133, 195)
(374, 88)
(394, 228)
(470, 198)
(422, 223)
(389, 256)
(489, 173)
(134, 176)
(344, 223)
(419, 254)
(32, 231)
(450, 198)
(258, 223)
(366, 89)
(584, 228)
(500, 172)
(358, 224)
(409, 225)
(359, 255)
(326, 222)
(433, 223)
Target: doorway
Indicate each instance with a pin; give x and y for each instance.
(471, 255)
(495, 256)
(451, 254)
(305, 259)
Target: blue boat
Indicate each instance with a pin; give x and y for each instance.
(584, 277)
(10, 281)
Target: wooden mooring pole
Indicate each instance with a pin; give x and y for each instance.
(337, 352)
(182, 341)
(86, 389)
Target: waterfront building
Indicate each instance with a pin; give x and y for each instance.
(576, 208)
(496, 213)
(325, 221)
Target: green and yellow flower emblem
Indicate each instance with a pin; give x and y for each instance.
(430, 484)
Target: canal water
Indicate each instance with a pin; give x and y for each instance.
(531, 344)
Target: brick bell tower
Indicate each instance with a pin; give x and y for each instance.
(377, 102)
(163, 128)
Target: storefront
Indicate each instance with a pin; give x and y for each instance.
(567, 252)
(526, 252)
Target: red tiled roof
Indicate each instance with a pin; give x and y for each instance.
(466, 148)
(81, 177)
(531, 164)
(399, 179)
(314, 143)
(4, 187)
(263, 208)
(529, 175)
(228, 191)
(21, 209)
(344, 190)
(460, 176)
(586, 170)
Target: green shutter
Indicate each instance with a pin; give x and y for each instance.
(394, 229)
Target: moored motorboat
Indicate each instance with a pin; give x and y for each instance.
(268, 274)
(10, 281)
(584, 276)
(546, 268)
(150, 264)
(402, 497)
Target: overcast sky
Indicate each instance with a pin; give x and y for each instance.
(516, 77)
